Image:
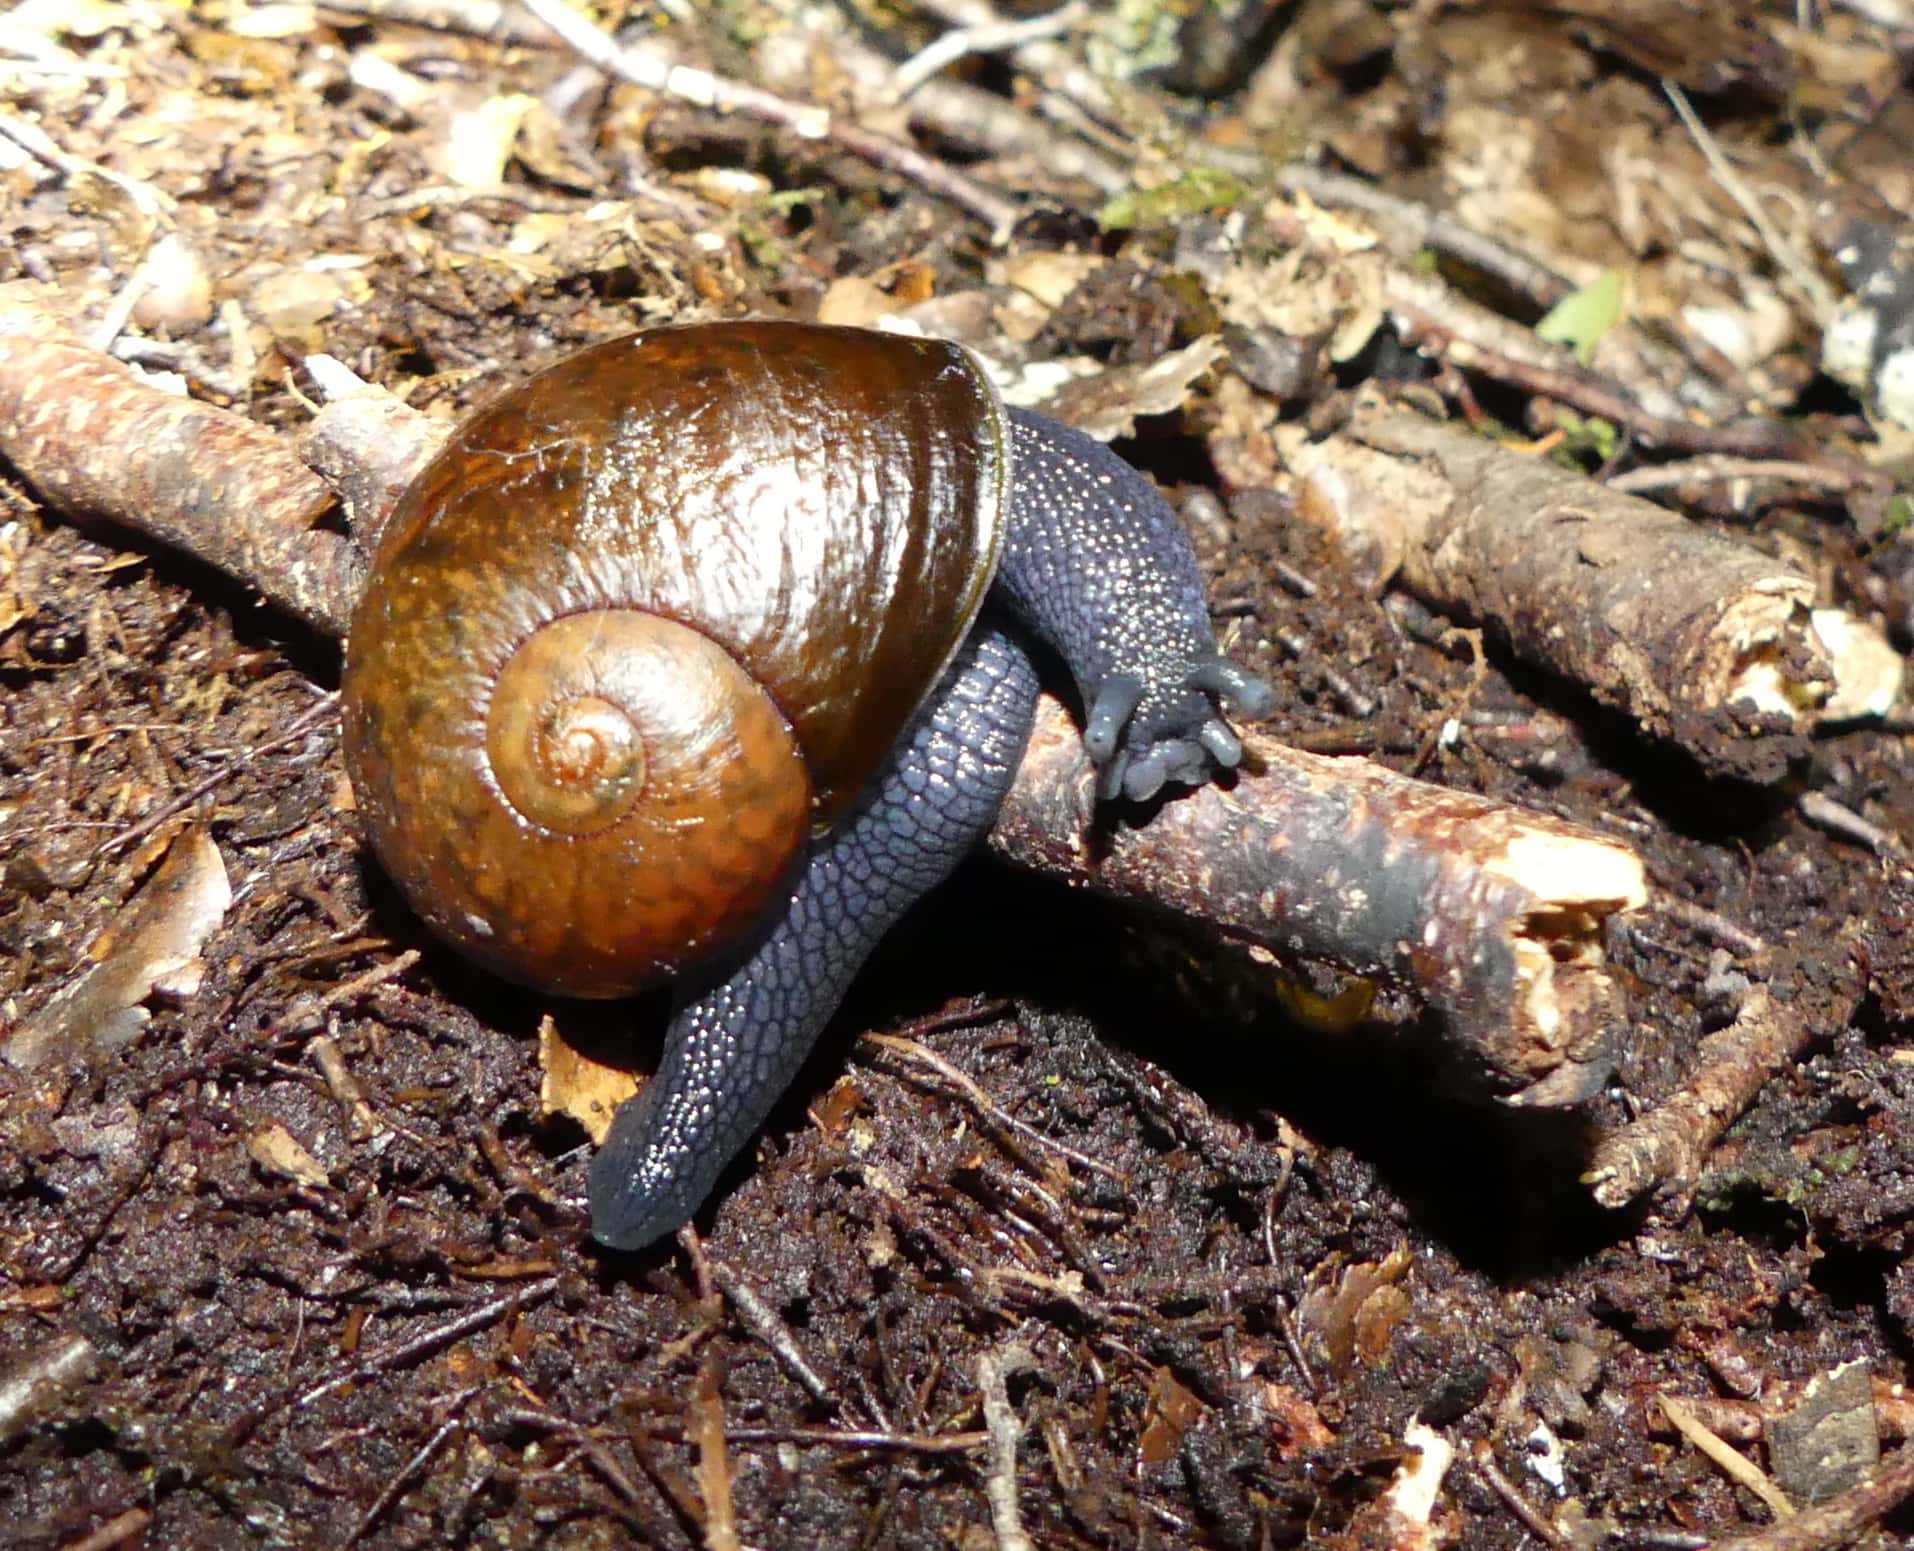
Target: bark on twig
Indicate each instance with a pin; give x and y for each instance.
(94, 440)
(498, 20)
(1747, 1421)
(1490, 915)
(1652, 377)
(714, 1460)
(1702, 641)
(41, 1379)
(1006, 1432)
(368, 443)
(652, 69)
(1666, 1147)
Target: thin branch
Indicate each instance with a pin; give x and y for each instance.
(429, 1341)
(1666, 1147)
(1725, 1458)
(986, 38)
(1717, 470)
(94, 440)
(1006, 1432)
(923, 1055)
(116, 1531)
(1516, 1503)
(1419, 226)
(499, 20)
(714, 1461)
(41, 1379)
(653, 70)
(1819, 293)
(1835, 1523)
(762, 1321)
(410, 1470)
(320, 711)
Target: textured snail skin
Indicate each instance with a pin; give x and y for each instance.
(733, 1049)
(1096, 567)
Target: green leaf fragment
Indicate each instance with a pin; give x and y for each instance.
(1580, 319)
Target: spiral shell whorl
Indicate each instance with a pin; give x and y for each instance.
(634, 799)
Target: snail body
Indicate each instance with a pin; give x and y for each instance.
(671, 667)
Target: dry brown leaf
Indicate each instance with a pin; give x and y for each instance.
(1173, 1411)
(575, 1085)
(1106, 406)
(1351, 1315)
(479, 141)
(154, 945)
(278, 1151)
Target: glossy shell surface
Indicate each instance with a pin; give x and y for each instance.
(816, 510)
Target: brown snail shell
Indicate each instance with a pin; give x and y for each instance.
(652, 617)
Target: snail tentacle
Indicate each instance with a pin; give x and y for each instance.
(1098, 567)
(734, 1048)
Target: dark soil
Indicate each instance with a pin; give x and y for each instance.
(1256, 1255)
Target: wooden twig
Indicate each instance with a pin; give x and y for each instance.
(1417, 226)
(1006, 1432)
(1731, 663)
(993, 1115)
(652, 69)
(94, 440)
(1747, 1421)
(410, 1471)
(368, 443)
(988, 38)
(1059, 69)
(116, 1531)
(315, 715)
(41, 1379)
(1765, 439)
(153, 204)
(1716, 470)
(1516, 1503)
(1737, 1467)
(1819, 293)
(714, 1461)
(426, 1342)
(861, 1440)
(1839, 820)
(1666, 1147)
(1490, 915)
(1640, 391)
(969, 115)
(502, 21)
(763, 1321)
(1835, 1523)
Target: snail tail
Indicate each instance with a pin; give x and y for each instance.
(734, 1047)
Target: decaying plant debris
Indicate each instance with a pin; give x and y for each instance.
(288, 1249)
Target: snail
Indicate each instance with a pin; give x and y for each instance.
(705, 652)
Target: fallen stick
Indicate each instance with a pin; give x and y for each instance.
(1490, 915)
(1701, 641)
(1666, 1147)
(1835, 1523)
(93, 439)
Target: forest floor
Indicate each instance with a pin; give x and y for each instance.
(1103, 1232)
